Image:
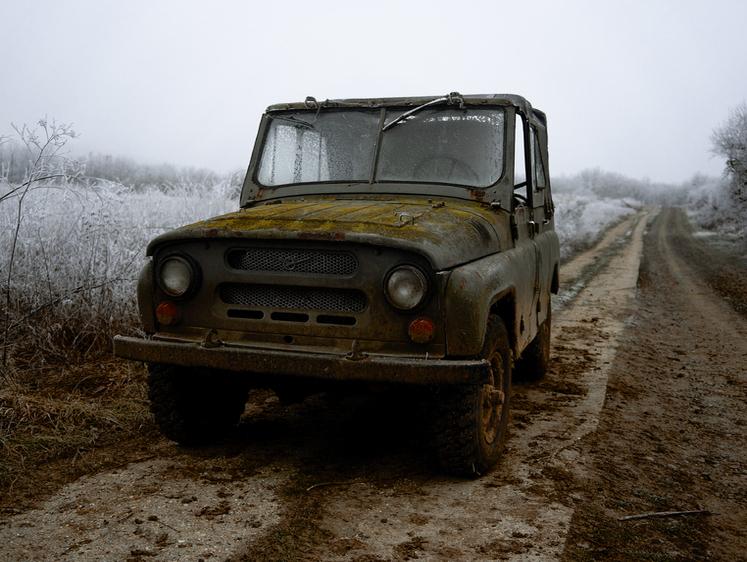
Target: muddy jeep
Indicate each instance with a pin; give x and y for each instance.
(401, 242)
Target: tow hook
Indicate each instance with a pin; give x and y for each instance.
(211, 340)
(355, 354)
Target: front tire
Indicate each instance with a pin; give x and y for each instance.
(470, 423)
(191, 408)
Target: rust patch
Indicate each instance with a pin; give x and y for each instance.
(476, 194)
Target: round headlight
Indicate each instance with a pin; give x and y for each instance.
(406, 287)
(177, 276)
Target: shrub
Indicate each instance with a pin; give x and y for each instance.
(580, 220)
(71, 251)
(729, 141)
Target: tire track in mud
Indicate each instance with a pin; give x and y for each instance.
(671, 434)
(353, 481)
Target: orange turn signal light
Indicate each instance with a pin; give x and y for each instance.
(421, 330)
(167, 313)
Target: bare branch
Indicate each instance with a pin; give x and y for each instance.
(665, 514)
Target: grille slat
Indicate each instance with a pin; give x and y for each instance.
(298, 298)
(296, 261)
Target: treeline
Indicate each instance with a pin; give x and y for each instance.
(718, 203)
(139, 176)
(610, 185)
(18, 159)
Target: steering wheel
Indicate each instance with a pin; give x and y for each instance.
(446, 167)
(518, 196)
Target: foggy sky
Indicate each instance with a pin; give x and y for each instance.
(633, 87)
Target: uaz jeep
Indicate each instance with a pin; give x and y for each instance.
(403, 241)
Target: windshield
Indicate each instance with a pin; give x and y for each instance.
(445, 145)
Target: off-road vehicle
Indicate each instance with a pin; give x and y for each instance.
(404, 242)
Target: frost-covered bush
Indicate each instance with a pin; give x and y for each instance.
(592, 200)
(726, 201)
(581, 219)
(78, 254)
(71, 251)
(713, 202)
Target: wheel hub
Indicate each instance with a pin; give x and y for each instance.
(493, 399)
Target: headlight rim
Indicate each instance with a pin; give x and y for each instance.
(424, 279)
(195, 274)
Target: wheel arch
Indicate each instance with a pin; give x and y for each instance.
(501, 284)
(504, 306)
(555, 284)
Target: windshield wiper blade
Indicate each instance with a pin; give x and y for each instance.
(295, 120)
(453, 97)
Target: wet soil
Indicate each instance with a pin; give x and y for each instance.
(642, 411)
(671, 436)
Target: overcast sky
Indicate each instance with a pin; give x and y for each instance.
(633, 87)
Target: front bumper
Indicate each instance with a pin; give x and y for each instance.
(363, 368)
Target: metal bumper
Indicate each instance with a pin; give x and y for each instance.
(368, 368)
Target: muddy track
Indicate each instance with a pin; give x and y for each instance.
(671, 435)
(352, 479)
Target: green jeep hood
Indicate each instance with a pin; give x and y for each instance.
(448, 233)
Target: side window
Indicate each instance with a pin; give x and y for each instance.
(520, 165)
(538, 169)
(521, 186)
(539, 181)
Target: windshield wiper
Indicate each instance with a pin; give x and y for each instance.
(454, 97)
(298, 122)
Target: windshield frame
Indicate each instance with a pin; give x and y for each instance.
(499, 192)
(463, 147)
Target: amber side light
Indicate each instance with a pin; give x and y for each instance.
(421, 330)
(167, 313)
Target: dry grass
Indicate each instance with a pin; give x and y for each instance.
(62, 411)
(72, 289)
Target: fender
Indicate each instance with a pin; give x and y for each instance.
(474, 288)
(145, 293)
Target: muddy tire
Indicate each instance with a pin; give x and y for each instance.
(534, 362)
(192, 408)
(470, 423)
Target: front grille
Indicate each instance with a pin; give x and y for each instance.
(326, 263)
(298, 298)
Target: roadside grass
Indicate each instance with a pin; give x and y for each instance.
(71, 249)
(70, 289)
(89, 407)
(581, 220)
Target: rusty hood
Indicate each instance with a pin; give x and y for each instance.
(448, 233)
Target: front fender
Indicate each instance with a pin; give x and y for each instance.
(145, 304)
(474, 288)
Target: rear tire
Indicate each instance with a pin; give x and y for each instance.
(470, 423)
(191, 408)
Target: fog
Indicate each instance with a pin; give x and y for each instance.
(630, 87)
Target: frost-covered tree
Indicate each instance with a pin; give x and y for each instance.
(730, 142)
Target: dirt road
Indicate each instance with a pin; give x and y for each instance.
(643, 411)
(671, 436)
